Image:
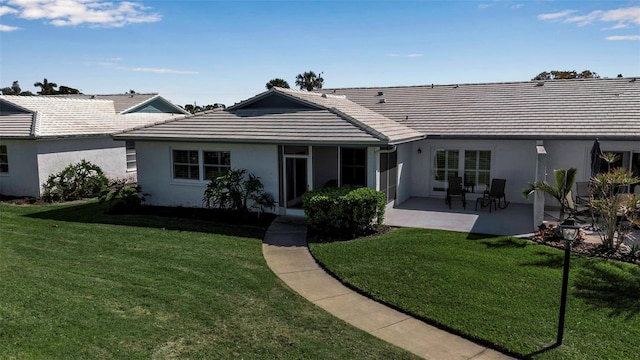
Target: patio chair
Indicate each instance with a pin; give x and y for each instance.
(455, 191)
(577, 210)
(496, 193)
(583, 192)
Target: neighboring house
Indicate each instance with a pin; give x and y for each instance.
(405, 141)
(41, 135)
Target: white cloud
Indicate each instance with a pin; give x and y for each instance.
(484, 6)
(623, 17)
(624, 37)
(414, 55)
(556, 15)
(77, 12)
(7, 10)
(517, 6)
(7, 28)
(163, 71)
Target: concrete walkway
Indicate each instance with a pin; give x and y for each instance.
(285, 250)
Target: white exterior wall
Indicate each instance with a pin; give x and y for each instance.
(22, 178)
(404, 187)
(577, 154)
(55, 155)
(154, 163)
(514, 160)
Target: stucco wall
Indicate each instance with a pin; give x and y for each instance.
(155, 174)
(405, 153)
(568, 154)
(22, 178)
(514, 160)
(55, 155)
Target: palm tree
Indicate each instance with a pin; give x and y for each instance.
(564, 183)
(277, 82)
(309, 81)
(46, 87)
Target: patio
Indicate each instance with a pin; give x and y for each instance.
(433, 213)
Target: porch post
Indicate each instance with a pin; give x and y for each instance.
(541, 174)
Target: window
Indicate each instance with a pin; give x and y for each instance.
(4, 159)
(474, 166)
(186, 164)
(131, 155)
(446, 166)
(354, 167)
(216, 163)
(477, 169)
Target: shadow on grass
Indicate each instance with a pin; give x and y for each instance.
(476, 236)
(179, 219)
(610, 285)
(546, 259)
(504, 243)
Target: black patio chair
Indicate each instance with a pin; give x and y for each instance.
(455, 191)
(583, 192)
(496, 193)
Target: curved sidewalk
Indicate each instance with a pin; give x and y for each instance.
(285, 250)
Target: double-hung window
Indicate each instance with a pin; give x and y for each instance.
(477, 170)
(4, 159)
(131, 155)
(216, 163)
(186, 164)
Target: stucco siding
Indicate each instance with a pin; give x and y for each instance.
(22, 177)
(404, 188)
(55, 155)
(154, 162)
(568, 154)
(514, 160)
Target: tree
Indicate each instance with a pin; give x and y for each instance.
(47, 88)
(67, 90)
(13, 90)
(557, 74)
(277, 82)
(564, 182)
(309, 81)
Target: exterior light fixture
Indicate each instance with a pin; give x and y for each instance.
(570, 231)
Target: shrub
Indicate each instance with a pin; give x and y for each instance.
(344, 212)
(121, 197)
(236, 190)
(75, 182)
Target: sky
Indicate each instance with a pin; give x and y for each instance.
(215, 51)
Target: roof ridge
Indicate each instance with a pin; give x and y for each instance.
(176, 118)
(471, 84)
(367, 128)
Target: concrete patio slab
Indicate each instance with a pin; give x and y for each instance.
(433, 213)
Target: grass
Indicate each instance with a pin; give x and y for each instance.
(80, 284)
(500, 291)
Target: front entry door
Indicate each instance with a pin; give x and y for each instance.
(296, 180)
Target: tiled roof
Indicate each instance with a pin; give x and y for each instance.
(257, 126)
(53, 116)
(377, 125)
(121, 102)
(584, 108)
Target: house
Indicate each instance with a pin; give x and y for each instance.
(41, 135)
(405, 141)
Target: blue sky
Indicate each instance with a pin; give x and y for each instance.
(225, 51)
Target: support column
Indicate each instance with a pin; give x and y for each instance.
(541, 175)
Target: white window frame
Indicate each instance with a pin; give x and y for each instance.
(221, 168)
(460, 167)
(190, 165)
(130, 153)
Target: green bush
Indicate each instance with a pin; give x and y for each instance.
(75, 182)
(344, 212)
(236, 190)
(122, 197)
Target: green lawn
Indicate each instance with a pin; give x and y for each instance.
(79, 284)
(502, 291)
